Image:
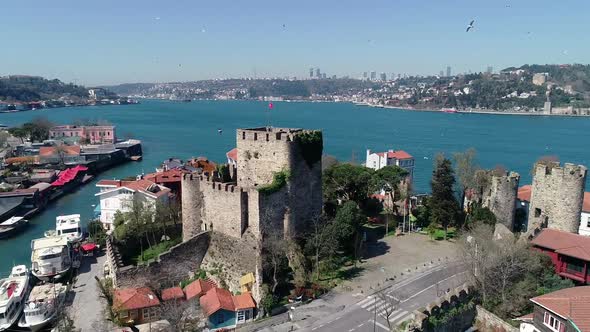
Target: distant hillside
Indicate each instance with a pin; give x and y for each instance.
(34, 88)
(576, 75)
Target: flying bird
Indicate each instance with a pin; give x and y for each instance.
(284, 26)
(470, 26)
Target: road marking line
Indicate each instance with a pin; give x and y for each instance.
(393, 319)
(384, 313)
(352, 329)
(427, 288)
(361, 324)
(369, 303)
(364, 301)
(372, 304)
(379, 324)
(318, 327)
(393, 297)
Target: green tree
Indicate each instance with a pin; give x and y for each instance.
(388, 178)
(347, 182)
(444, 209)
(349, 221)
(481, 214)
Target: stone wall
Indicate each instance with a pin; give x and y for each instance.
(500, 197)
(557, 196)
(170, 268)
(486, 321)
(459, 322)
(192, 199)
(229, 258)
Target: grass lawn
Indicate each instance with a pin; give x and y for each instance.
(154, 251)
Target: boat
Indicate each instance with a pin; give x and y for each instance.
(12, 226)
(13, 291)
(51, 257)
(449, 110)
(68, 226)
(42, 305)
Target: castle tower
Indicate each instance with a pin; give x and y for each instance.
(557, 196)
(500, 197)
(265, 152)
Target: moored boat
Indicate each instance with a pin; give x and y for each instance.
(42, 305)
(13, 291)
(12, 226)
(68, 226)
(449, 110)
(51, 257)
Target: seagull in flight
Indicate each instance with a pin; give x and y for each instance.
(470, 26)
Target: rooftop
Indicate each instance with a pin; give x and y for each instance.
(142, 185)
(524, 193)
(564, 243)
(217, 298)
(172, 293)
(232, 154)
(198, 288)
(134, 298)
(395, 154)
(72, 150)
(570, 303)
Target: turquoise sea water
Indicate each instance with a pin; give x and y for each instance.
(174, 129)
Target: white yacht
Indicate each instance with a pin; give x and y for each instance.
(68, 226)
(51, 257)
(13, 291)
(42, 305)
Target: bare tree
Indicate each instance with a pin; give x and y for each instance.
(275, 248)
(322, 241)
(466, 168)
(390, 307)
(61, 151)
(182, 315)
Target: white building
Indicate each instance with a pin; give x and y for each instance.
(585, 218)
(378, 160)
(118, 195)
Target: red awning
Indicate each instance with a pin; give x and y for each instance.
(88, 246)
(68, 175)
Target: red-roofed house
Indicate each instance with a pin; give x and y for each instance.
(172, 294)
(226, 311)
(118, 195)
(565, 310)
(585, 217)
(570, 253)
(66, 154)
(378, 160)
(136, 305)
(232, 157)
(198, 288)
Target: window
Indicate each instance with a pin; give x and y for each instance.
(588, 222)
(537, 212)
(133, 314)
(241, 316)
(551, 322)
(124, 314)
(146, 313)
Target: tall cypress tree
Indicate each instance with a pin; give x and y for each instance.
(444, 208)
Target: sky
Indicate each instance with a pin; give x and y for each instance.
(123, 41)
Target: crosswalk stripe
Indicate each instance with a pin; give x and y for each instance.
(372, 304)
(405, 318)
(364, 301)
(394, 318)
(384, 313)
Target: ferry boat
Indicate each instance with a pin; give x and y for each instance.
(13, 291)
(42, 306)
(50, 258)
(68, 226)
(11, 226)
(449, 110)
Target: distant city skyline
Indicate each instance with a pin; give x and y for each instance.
(152, 41)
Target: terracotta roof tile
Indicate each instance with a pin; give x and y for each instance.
(115, 183)
(233, 154)
(172, 293)
(565, 243)
(72, 150)
(216, 299)
(524, 193)
(134, 298)
(198, 288)
(571, 303)
(173, 175)
(395, 154)
(243, 301)
(143, 185)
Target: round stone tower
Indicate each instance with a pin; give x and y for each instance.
(557, 196)
(192, 201)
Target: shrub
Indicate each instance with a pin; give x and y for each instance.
(278, 182)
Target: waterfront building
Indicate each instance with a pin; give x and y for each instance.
(62, 154)
(565, 310)
(136, 305)
(569, 253)
(119, 195)
(378, 160)
(224, 310)
(92, 134)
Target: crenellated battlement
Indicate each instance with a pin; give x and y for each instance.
(554, 169)
(267, 134)
(208, 182)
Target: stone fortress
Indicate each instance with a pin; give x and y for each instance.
(275, 188)
(557, 196)
(497, 191)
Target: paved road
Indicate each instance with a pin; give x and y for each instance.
(394, 304)
(86, 305)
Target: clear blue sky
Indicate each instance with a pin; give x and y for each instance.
(107, 41)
